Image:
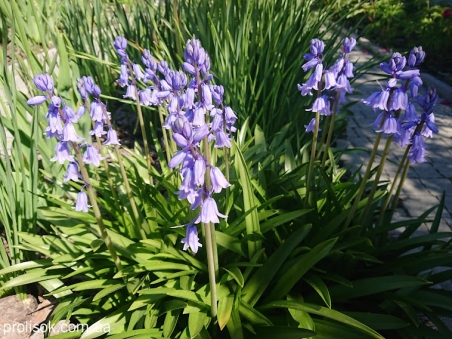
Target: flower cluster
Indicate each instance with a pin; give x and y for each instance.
(196, 115)
(401, 89)
(335, 80)
(60, 125)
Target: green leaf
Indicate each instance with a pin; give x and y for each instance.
(378, 321)
(249, 201)
(256, 285)
(64, 73)
(319, 286)
(303, 265)
(170, 322)
(374, 285)
(231, 243)
(196, 323)
(225, 305)
(324, 312)
(235, 272)
(282, 332)
(251, 314)
(114, 321)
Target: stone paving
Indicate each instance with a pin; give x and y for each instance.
(426, 182)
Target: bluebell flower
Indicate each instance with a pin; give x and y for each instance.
(112, 138)
(98, 129)
(62, 153)
(429, 127)
(349, 44)
(44, 83)
(191, 239)
(417, 56)
(218, 180)
(209, 212)
(37, 100)
(72, 172)
(92, 156)
(69, 133)
(399, 100)
(428, 101)
(391, 125)
(378, 100)
(311, 126)
(321, 105)
(417, 151)
(82, 202)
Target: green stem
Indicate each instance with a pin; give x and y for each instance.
(104, 161)
(326, 127)
(331, 129)
(312, 160)
(363, 180)
(399, 189)
(142, 126)
(165, 136)
(393, 185)
(210, 244)
(377, 179)
(137, 220)
(138, 224)
(96, 210)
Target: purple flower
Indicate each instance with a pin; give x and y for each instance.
(37, 100)
(199, 171)
(399, 100)
(130, 93)
(417, 151)
(69, 133)
(72, 172)
(62, 153)
(410, 113)
(391, 125)
(330, 79)
(44, 83)
(428, 101)
(348, 70)
(98, 129)
(417, 56)
(194, 54)
(138, 72)
(312, 82)
(349, 44)
(218, 180)
(92, 156)
(123, 75)
(191, 239)
(311, 126)
(82, 202)
(404, 138)
(378, 100)
(97, 111)
(81, 89)
(69, 114)
(395, 64)
(344, 83)
(321, 105)
(209, 212)
(222, 140)
(112, 138)
(430, 127)
(54, 127)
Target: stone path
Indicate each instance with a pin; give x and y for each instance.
(426, 182)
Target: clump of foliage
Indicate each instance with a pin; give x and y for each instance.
(302, 253)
